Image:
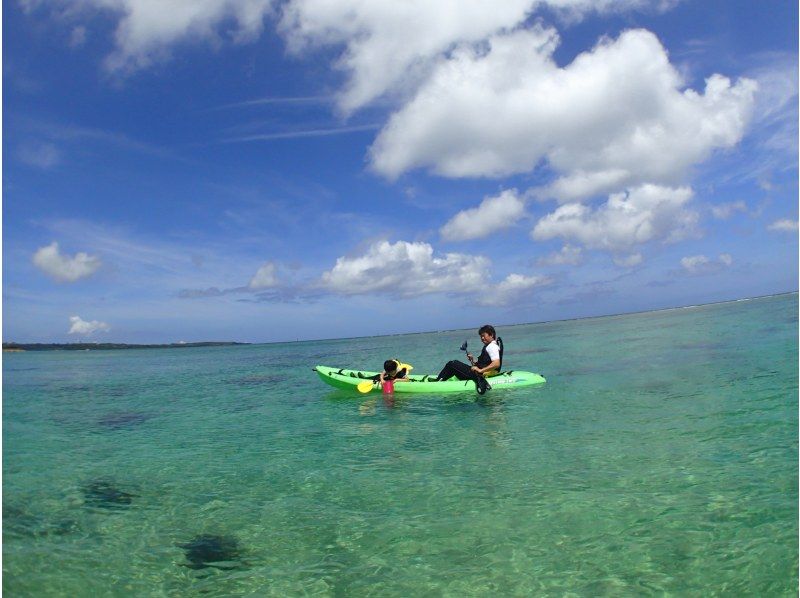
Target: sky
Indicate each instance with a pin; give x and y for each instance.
(280, 170)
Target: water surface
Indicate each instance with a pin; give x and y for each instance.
(661, 456)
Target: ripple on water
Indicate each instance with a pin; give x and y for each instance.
(21, 522)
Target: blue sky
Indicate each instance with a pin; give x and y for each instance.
(260, 171)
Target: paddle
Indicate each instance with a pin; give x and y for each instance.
(463, 347)
(366, 386)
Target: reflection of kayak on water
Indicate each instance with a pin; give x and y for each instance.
(350, 379)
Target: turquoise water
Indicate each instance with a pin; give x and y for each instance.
(661, 456)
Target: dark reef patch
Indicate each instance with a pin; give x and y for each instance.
(18, 521)
(255, 380)
(528, 351)
(702, 346)
(103, 494)
(123, 420)
(206, 550)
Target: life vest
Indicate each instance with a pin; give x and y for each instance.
(484, 359)
(403, 369)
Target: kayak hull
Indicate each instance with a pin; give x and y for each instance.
(349, 380)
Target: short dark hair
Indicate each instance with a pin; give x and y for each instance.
(390, 365)
(487, 328)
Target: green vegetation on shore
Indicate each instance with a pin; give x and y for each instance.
(106, 346)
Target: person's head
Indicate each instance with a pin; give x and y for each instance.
(487, 333)
(390, 366)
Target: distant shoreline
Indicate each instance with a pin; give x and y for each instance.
(22, 347)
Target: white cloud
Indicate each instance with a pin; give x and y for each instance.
(406, 269)
(386, 45)
(694, 262)
(615, 117)
(700, 264)
(569, 255)
(726, 210)
(265, 277)
(493, 214)
(626, 220)
(784, 225)
(511, 289)
(41, 155)
(78, 37)
(64, 268)
(79, 326)
(628, 261)
(146, 29)
(391, 46)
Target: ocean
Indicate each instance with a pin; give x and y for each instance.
(661, 457)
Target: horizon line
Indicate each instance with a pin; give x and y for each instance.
(311, 340)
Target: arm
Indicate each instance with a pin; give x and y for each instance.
(495, 364)
(494, 352)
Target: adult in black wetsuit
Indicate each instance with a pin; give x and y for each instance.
(488, 362)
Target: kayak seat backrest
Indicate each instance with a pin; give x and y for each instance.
(500, 345)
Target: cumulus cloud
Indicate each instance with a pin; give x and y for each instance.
(493, 214)
(615, 117)
(79, 326)
(406, 269)
(569, 255)
(393, 45)
(726, 210)
(784, 225)
(64, 268)
(626, 220)
(146, 30)
(264, 277)
(700, 264)
(385, 45)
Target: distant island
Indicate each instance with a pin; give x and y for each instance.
(17, 347)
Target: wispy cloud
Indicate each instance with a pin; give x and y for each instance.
(784, 225)
(274, 101)
(301, 134)
(40, 155)
(64, 134)
(700, 264)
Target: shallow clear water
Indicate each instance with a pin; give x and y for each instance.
(661, 456)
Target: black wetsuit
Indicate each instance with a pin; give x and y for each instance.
(463, 371)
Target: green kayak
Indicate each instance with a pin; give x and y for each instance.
(349, 380)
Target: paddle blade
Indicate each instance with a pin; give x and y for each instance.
(463, 346)
(365, 386)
